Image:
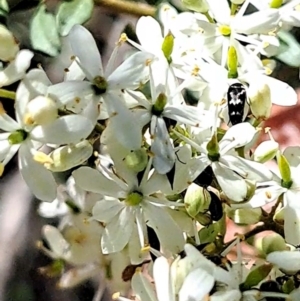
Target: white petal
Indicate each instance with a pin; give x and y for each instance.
(56, 241)
(189, 115)
(263, 196)
(161, 274)
(232, 184)
(196, 286)
(64, 130)
(132, 73)
(149, 34)
(34, 83)
(287, 260)
(292, 154)
(71, 93)
(247, 169)
(125, 127)
(143, 288)
(292, 217)
(168, 232)
(40, 180)
(16, 69)
(237, 136)
(91, 180)
(282, 94)
(262, 21)
(86, 51)
(162, 148)
(118, 232)
(220, 10)
(8, 124)
(105, 210)
(232, 295)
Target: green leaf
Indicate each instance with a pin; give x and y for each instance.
(73, 12)
(289, 49)
(43, 32)
(256, 276)
(4, 8)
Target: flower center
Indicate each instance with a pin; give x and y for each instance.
(17, 137)
(100, 85)
(225, 30)
(134, 198)
(159, 104)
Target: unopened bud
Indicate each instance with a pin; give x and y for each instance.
(265, 151)
(270, 243)
(41, 110)
(232, 63)
(196, 199)
(285, 171)
(199, 6)
(167, 46)
(275, 3)
(137, 160)
(213, 148)
(8, 45)
(69, 156)
(159, 104)
(259, 95)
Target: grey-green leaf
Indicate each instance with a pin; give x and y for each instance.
(289, 49)
(73, 12)
(43, 32)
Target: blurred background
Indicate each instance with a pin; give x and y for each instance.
(20, 225)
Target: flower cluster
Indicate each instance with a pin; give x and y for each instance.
(160, 152)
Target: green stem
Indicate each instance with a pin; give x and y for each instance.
(209, 18)
(7, 94)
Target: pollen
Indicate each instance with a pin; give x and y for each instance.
(268, 194)
(73, 57)
(266, 44)
(195, 70)
(42, 158)
(28, 119)
(123, 39)
(2, 111)
(148, 62)
(77, 100)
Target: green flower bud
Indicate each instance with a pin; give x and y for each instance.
(199, 6)
(137, 160)
(69, 156)
(260, 100)
(270, 243)
(159, 104)
(213, 148)
(17, 137)
(285, 171)
(232, 63)
(279, 216)
(276, 3)
(167, 46)
(265, 151)
(53, 270)
(196, 200)
(245, 216)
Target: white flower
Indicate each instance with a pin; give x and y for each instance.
(270, 191)
(227, 166)
(16, 69)
(26, 136)
(127, 206)
(105, 85)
